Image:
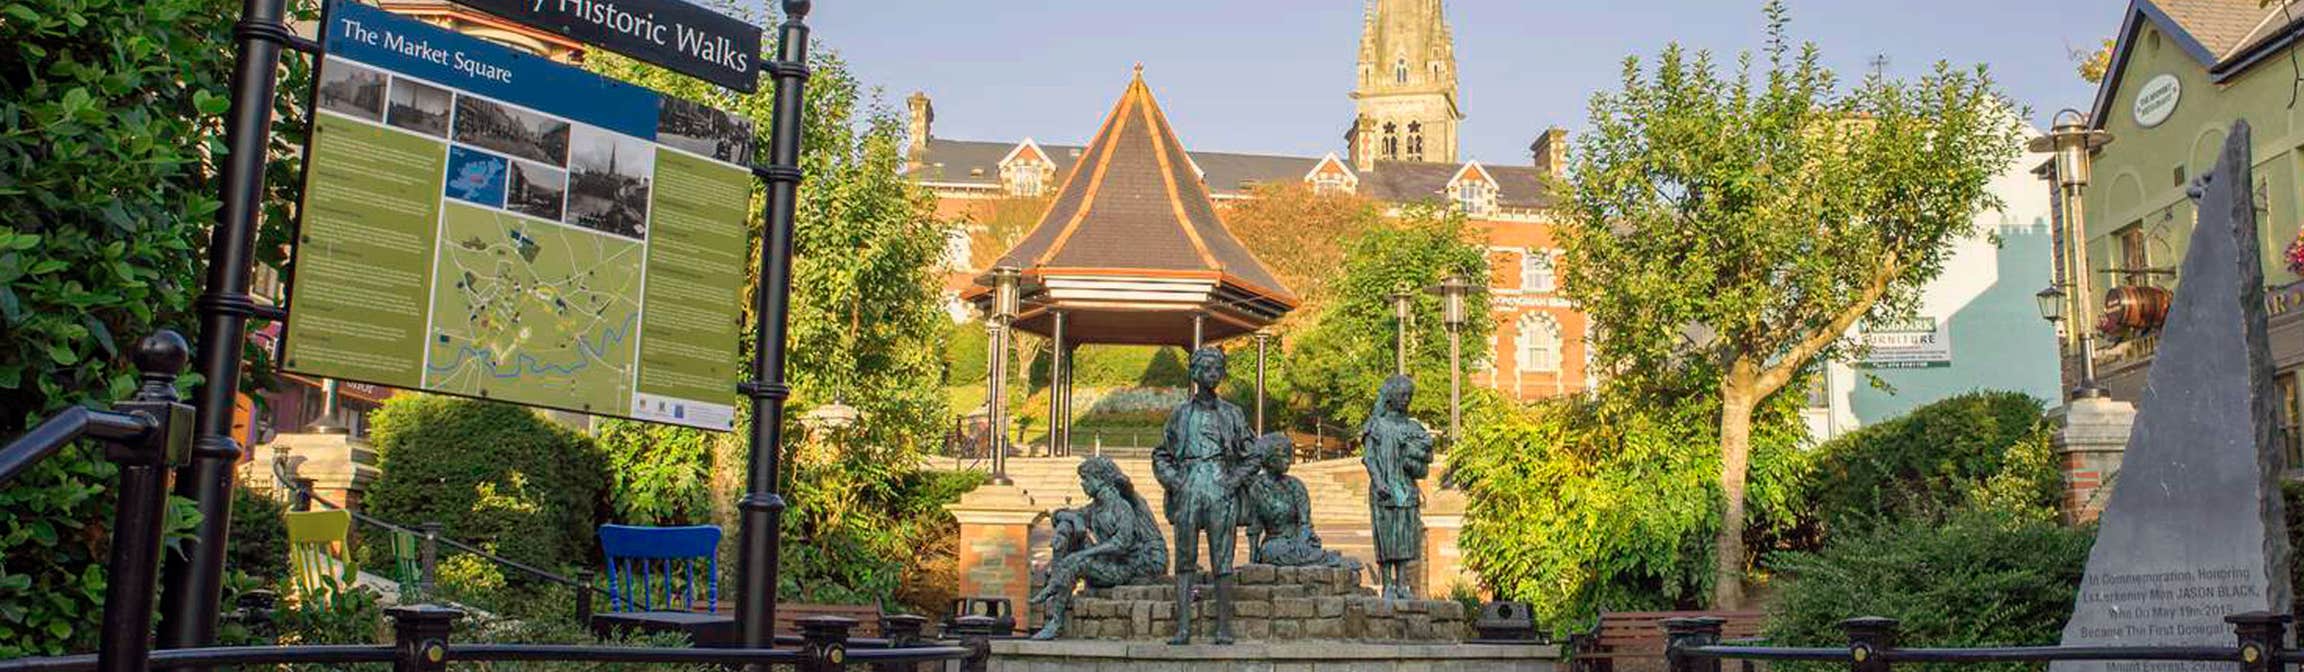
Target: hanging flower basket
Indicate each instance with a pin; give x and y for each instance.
(2296, 254)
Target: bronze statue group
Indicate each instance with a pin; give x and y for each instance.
(1218, 477)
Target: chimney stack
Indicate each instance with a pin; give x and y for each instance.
(921, 128)
(1551, 151)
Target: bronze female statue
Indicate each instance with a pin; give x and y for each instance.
(1201, 462)
(1397, 451)
(1111, 541)
(1280, 512)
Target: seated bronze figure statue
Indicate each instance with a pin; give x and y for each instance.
(1280, 512)
(1112, 541)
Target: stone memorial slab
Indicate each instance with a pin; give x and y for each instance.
(2194, 529)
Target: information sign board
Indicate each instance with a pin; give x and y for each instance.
(1918, 343)
(684, 37)
(479, 221)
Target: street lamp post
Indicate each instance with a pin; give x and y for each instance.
(1006, 303)
(1452, 292)
(1263, 338)
(1400, 315)
(2072, 142)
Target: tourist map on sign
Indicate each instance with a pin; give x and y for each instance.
(526, 309)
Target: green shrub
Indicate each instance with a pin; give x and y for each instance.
(107, 111)
(494, 475)
(965, 354)
(1976, 578)
(1927, 463)
(1609, 502)
(259, 543)
(658, 474)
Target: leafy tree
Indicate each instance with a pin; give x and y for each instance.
(996, 225)
(2094, 65)
(1302, 234)
(1733, 227)
(1335, 366)
(866, 330)
(110, 129)
(1605, 501)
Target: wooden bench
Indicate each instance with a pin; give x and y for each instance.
(1634, 641)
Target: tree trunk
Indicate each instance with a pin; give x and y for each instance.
(1736, 402)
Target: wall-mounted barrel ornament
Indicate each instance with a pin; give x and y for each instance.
(2133, 309)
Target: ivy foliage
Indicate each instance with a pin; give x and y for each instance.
(1610, 502)
(110, 129)
(494, 475)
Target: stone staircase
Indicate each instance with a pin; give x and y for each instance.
(1338, 489)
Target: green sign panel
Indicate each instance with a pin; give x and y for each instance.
(485, 223)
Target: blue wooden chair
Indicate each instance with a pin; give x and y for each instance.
(656, 568)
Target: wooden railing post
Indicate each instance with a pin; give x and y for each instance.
(1869, 639)
(1681, 634)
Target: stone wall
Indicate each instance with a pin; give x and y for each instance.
(1271, 604)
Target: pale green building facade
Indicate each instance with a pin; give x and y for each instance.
(2182, 72)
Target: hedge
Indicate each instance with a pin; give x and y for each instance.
(493, 474)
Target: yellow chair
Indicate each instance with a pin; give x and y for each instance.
(318, 550)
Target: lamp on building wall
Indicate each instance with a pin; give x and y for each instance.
(2051, 304)
(2073, 143)
(1452, 292)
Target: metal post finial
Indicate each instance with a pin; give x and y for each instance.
(797, 9)
(159, 359)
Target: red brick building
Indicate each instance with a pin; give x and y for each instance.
(1400, 148)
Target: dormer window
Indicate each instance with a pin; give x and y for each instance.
(1329, 177)
(1026, 170)
(1473, 190)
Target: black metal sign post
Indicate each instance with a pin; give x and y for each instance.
(194, 580)
(763, 509)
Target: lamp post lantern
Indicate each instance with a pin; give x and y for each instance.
(1452, 292)
(2051, 304)
(2072, 142)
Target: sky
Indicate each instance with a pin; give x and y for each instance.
(1273, 76)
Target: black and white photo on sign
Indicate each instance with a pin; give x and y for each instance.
(419, 107)
(609, 176)
(352, 90)
(536, 190)
(510, 130)
(698, 129)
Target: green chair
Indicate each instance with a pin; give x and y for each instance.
(407, 564)
(318, 542)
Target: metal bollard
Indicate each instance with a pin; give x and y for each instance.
(420, 637)
(584, 597)
(1681, 634)
(2262, 634)
(825, 642)
(974, 632)
(1870, 638)
(903, 631)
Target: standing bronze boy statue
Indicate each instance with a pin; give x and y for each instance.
(1202, 459)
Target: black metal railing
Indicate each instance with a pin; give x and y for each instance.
(422, 641)
(1693, 645)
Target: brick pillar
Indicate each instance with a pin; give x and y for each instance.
(1443, 564)
(995, 543)
(2089, 444)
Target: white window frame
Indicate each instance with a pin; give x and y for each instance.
(1535, 331)
(1538, 263)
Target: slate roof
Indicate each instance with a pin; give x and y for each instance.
(977, 164)
(1131, 202)
(2226, 37)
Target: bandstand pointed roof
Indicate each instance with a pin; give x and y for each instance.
(1131, 247)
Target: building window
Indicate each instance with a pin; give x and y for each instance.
(1475, 196)
(1539, 343)
(1400, 71)
(1025, 178)
(1415, 141)
(1536, 271)
(2292, 416)
(1330, 183)
(2134, 258)
(1391, 141)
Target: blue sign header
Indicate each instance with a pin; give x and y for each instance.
(392, 42)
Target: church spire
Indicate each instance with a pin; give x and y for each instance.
(1406, 90)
